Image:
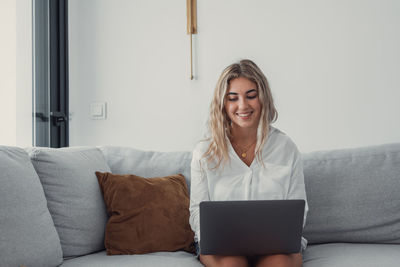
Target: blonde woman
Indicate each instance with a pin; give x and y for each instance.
(245, 158)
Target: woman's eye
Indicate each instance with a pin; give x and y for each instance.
(252, 96)
(232, 99)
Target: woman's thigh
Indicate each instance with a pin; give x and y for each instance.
(228, 261)
(278, 260)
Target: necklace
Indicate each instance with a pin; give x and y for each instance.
(243, 152)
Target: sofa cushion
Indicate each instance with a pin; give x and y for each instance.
(73, 195)
(353, 195)
(164, 259)
(147, 215)
(147, 163)
(27, 233)
(350, 255)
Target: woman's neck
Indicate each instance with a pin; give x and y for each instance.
(243, 136)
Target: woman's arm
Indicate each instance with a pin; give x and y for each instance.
(297, 188)
(198, 192)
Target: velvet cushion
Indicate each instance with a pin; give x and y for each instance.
(146, 214)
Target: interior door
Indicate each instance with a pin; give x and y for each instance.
(50, 65)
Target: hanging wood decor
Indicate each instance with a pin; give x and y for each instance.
(191, 6)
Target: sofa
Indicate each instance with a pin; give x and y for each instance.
(52, 212)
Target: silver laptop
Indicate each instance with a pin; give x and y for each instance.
(251, 227)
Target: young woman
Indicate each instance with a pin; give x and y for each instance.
(245, 158)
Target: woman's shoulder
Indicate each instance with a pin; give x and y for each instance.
(279, 139)
(201, 147)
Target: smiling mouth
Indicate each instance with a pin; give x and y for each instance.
(244, 115)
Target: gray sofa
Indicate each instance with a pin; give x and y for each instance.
(52, 212)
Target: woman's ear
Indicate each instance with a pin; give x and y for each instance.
(227, 119)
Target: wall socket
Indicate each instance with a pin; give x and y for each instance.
(98, 111)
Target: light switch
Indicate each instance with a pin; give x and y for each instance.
(98, 111)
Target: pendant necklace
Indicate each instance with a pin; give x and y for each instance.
(243, 152)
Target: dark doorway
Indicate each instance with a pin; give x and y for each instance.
(50, 72)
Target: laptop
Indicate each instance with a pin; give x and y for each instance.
(251, 227)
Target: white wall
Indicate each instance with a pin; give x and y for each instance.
(16, 73)
(24, 73)
(8, 73)
(333, 67)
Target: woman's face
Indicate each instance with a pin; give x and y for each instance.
(242, 103)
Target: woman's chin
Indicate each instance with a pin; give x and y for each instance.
(250, 125)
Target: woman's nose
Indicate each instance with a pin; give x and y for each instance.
(243, 103)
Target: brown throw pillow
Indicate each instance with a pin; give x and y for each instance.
(146, 214)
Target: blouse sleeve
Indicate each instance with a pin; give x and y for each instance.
(198, 192)
(297, 188)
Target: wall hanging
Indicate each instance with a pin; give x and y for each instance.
(191, 6)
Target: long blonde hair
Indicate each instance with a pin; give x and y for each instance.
(219, 124)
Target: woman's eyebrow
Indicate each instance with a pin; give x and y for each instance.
(250, 91)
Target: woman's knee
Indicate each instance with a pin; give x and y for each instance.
(234, 261)
(223, 261)
(281, 260)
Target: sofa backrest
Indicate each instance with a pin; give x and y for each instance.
(148, 164)
(27, 233)
(353, 195)
(73, 195)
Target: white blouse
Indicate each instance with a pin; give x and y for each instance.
(281, 177)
